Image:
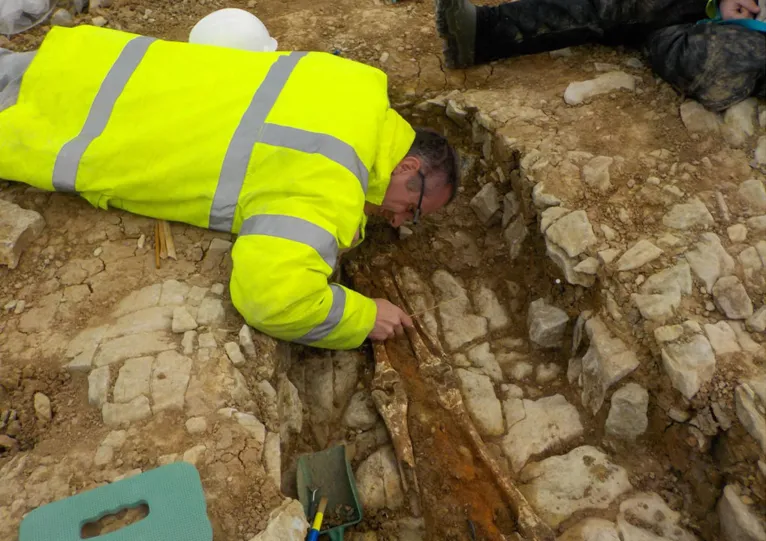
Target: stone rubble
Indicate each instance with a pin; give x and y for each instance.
(596, 173)
(581, 92)
(485, 361)
(753, 194)
(183, 321)
(133, 380)
(750, 401)
(486, 203)
(731, 298)
(547, 324)
(98, 386)
(18, 228)
(683, 216)
(738, 521)
(638, 255)
(286, 523)
(689, 364)
(535, 426)
(645, 515)
(709, 260)
(697, 119)
(627, 415)
(584, 478)
(42, 405)
(460, 327)
(378, 481)
(606, 362)
(481, 402)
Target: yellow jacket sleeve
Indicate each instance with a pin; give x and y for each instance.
(281, 288)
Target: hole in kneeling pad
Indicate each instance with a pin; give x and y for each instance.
(114, 521)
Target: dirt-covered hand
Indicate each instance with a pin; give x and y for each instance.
(389, 321)
(739, 9)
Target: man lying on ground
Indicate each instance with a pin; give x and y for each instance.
(290, 151)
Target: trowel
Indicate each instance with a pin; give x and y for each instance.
(328, 474)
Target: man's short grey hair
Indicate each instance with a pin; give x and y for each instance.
(438, 157)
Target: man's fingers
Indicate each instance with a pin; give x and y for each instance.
(406, 320)
(750, 6)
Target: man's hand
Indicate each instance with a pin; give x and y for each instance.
(389, 322)
(738, 9)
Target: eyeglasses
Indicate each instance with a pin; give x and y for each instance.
(416, 216)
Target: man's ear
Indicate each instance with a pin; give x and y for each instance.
(410, 164)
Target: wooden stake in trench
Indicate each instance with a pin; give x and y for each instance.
(164, 245)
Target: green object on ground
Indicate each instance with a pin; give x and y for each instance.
(173, 493)
(330, 472)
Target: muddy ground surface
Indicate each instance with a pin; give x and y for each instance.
(89, 271)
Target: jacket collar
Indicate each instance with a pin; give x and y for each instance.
(395, 140)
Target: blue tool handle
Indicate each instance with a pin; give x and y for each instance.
(313, 535)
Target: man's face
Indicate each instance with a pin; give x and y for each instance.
(404, 193)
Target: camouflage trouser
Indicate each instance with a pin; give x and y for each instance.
(715, 64)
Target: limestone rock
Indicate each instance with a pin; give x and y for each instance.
(487, 305)
(136, 345)
(246, 341)
(547, 373)
(757, 322)
(515, 235)
(657, 307)
(689, 364)
(760, 150)
(511, 208)
(550, 215)
(722, 337)
(738, 521)
(187, 344)
(645, 515)
(173, 293)
(43, 410)
(606, 362)
(62, 17)
(286, 523)
(486, 203)
(98, 386)
(234, 353)
(272, 458)
(627, 416)
(18, 228)
(591, 529)
(195, 454)
(210, 312)
(156, 318)
(117, 415)
(589, 265)
(360, 413)
(753, 194)
(256, 428)
(196, 425)
(481, 402)
(460, 327)
(536, 426)
(688, 215)
(379, 482)
(573, 233)
(640, 254)
(757, 223)
(709, 260)
(582, 91)
(739, 122)
(133, 379)
(596, 173)
(567, 265)
(170, 377)
(482, 358)
(138, 300)
(748, 403)
(698, 119)
(183, 321)
(104, 455)
(546, 323)
(737, 232)
(584, 478)
(289, 407)
(731, 298)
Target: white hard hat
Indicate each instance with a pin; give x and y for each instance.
(235, 28)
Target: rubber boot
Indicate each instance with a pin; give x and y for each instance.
(456, 24)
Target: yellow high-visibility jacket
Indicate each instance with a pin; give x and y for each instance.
(280, 148)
